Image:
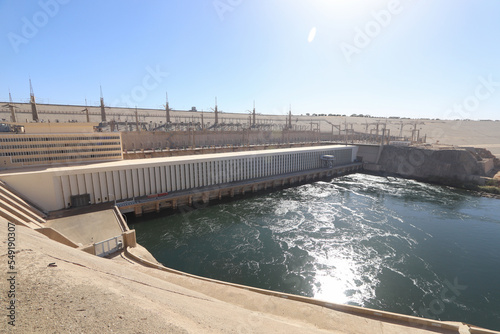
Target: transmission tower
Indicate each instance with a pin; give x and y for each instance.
(167, 110)
(216, 113)
(34, 112)
(103, 111)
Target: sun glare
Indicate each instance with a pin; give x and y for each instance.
(347, 9)
(312, 35)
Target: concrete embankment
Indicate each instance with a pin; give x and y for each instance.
(460, 167)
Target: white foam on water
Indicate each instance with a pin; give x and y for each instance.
(350, 237)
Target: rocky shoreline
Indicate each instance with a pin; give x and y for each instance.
(488, 195)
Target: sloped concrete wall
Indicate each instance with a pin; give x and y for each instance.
(446, 166)
(369, 153)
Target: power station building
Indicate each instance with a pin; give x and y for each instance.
(55, 188)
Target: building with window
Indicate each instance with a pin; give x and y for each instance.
(53, 143)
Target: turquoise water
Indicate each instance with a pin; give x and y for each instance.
(390, 244)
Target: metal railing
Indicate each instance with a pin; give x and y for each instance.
(109, 246)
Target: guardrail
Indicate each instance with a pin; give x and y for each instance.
(109, 246)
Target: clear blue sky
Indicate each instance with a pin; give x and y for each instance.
(419, 59)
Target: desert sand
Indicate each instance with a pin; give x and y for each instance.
(458, 132)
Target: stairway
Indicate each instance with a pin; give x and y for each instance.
(19, 211)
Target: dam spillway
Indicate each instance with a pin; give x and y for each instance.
(136, 183)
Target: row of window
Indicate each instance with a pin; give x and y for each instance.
(14, 147)
(21, 138)
(15, 154)
(66, 158)
(152, 180)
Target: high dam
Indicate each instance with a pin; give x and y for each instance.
(71, 203)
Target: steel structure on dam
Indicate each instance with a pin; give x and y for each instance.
(56, 188)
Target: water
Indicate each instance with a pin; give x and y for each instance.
(390, 244)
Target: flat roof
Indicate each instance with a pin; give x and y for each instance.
(55, 128)
(138, 163)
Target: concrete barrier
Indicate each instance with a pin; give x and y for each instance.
(383, 316)
(56, 236)
(129, 238)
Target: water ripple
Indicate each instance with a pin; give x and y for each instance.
(391, 244)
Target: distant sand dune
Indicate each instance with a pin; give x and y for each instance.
(483, 134)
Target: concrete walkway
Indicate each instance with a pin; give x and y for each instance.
(88, 228)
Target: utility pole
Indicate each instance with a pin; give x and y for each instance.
(385, 132)
(136, 120)
(290, 118)
(216, 112)
(103, 112)
(34, 112)
(12, 111)
(167, 109)
(253, 114)
(346, 136)
(415, 133)
(87, 111)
